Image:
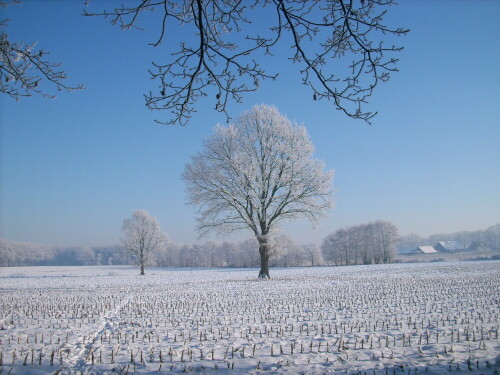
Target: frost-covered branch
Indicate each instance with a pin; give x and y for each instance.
(338, 46)
(24, 69)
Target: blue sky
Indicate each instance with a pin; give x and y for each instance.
(73, 168)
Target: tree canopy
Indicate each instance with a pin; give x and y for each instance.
(256, 173)
(142, 237)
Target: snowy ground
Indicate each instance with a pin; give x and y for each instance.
(387, 319)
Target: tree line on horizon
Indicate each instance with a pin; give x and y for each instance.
(209, 254)
(478, 239)
(212, 254)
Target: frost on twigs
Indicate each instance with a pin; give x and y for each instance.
(25, 69)
(255, 174)
(142, 237)
(341, 49)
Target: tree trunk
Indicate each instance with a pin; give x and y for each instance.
(264, 267)
(264, 260)
(142, 259)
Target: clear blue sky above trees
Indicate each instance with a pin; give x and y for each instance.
(73, 168)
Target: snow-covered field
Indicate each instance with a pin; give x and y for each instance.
(386, 319)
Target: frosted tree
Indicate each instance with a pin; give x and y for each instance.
(142, 237)
(255, 174)
(210, 249)
(342, 49)
(334, 247)
(388, 235)
(492, 237)
(361, 244)
(312, 254)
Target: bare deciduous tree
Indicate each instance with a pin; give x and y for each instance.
(388, 234)
(338, 46)
(361, 244)
(142, 236)
(313, 254)
(256, 173)
(24, 68)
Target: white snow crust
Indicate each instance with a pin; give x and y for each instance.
(436, 318)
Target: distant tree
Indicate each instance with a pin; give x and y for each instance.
(334, 248)
(197, 255)
(355, 243)
(361, 244)
(142, 237)
(366, 244)
(388, 235)
(167, 256)
(112, 255)
(227, 252)
(25, 69)
(312, 254)
(255, 174)
(338, 45)
(210, 249)
(279, 245)
(411, 241)
(249, 252)
(287, 256)
(85, 256)
(13, 253)
(297, 257)
(185, 254)
(492, 237)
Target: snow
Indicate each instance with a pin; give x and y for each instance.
(382, 319)
(427, 249)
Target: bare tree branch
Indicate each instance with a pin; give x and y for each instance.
(23, 67)
(337, 44)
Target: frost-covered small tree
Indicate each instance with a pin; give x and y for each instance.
(142, 237)
(256, 173)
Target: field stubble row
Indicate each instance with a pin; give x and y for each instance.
(318, 320)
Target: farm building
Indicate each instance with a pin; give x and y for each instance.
(425, 250)
(449, 246)
(419, 250)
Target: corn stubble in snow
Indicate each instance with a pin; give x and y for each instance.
(386, 319)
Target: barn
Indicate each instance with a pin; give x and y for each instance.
(449, 246)
(425, 250)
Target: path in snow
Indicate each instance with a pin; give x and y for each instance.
(77, 358)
